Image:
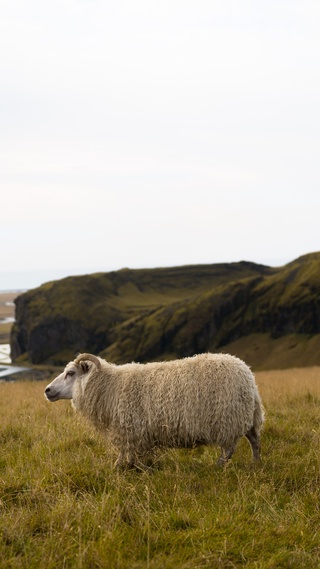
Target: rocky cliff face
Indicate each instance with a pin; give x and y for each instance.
(163, 313)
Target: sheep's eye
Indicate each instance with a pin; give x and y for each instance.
(70, 373)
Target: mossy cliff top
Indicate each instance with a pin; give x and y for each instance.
(164, 313)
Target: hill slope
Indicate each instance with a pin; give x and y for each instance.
(172, 312)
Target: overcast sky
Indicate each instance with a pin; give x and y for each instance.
(146, 133)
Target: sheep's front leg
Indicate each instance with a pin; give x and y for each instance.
(226, 454)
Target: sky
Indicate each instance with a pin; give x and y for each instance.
(156, 133)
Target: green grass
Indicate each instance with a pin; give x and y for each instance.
(62, 504)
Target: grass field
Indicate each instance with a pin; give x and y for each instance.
(62, 505)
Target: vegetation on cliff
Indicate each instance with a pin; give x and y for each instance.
(150, 314)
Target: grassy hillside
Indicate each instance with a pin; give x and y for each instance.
(63, 505)
(267, 353)
(145, 315)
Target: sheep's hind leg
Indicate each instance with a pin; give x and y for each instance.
(254, 439)
(226, 454)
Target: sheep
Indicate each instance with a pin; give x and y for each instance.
(204, 399)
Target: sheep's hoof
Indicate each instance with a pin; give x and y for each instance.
(140, 467)
(223, 461)
(125, 465)
(256, 463)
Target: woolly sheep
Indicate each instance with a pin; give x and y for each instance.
(204, 399)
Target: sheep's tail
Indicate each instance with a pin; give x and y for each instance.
(88, 357)
(259, 414)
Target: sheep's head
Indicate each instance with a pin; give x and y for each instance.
(62, 386)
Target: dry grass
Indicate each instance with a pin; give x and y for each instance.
(281, 386)
(63, 505)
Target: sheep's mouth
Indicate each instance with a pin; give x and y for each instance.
(52, 398)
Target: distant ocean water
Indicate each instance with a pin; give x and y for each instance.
(7, 320)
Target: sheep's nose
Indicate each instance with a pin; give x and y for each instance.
(47, 390)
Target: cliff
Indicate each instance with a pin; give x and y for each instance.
(150, 314)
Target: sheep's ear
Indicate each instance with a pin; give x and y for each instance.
(84, 366)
